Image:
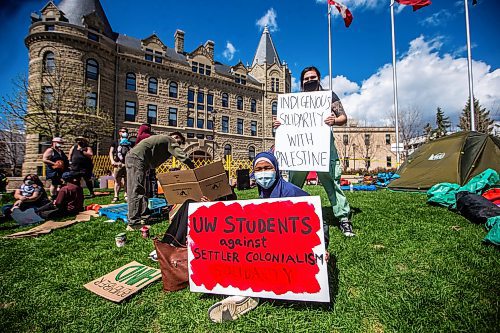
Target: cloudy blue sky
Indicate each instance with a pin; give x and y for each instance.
(431, 53)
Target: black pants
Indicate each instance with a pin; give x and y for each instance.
(178, 226)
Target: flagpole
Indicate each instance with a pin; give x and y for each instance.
(330, 44)
(469, 61)
(395, 84)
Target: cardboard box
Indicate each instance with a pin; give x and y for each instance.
(209, 180)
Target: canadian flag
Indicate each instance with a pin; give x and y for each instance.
(417, 4)
(344, 11)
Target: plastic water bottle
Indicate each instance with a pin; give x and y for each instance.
(351, 187)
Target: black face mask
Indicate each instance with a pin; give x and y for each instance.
(312, 85)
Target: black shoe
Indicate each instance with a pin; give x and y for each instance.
(346, 228)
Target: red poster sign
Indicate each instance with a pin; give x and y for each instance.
(269, 248)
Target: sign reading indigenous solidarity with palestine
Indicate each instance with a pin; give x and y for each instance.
(271, 248)
(124, 281)
(303, 138)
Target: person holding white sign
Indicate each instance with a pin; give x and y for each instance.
(310, 81)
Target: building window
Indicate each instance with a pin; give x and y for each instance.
(149, 55)
(274, 108)
(201, 100)
(239, 103)
(208, 70)
(251, 153)
(200, 136)
(367, 139)
(190, 98)
(50, 27)
(225, 124)
(387, 139)
(93, 37)
(389, 161)
(345, 139)
(48, 95)
(153, 86)
(194, 67)
(44, 143)
(200, 122)
(210, 102)
(158, 59)
(172, 90)
(210, 124)
(130, 82)
(152, 114)
(190, 122)
(253, 128)
(91, 100)
(227, 150)
(172, 117)
(49, 62)
(225, 100)
(275, 84)
(130, 111)
(253, 105)
(201, 68)
(92, 70)
(190, 135)
(274, 132)
(239, 126)
(241, 79)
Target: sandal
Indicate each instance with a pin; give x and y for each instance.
(115, 199)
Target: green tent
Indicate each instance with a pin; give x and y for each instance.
(454, 158)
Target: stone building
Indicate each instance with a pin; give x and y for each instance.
(221, 109)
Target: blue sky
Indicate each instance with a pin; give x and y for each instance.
(430, 45)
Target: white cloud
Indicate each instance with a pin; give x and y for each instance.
(341, 85)
(269, 20)
(426, 80)
(229, 51)
(295, 84)
(436, 19)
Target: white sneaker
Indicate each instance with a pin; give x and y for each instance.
(231, 308)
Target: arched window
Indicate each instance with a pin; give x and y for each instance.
(239, 103)
(225, 100)
(130, 83)
(172, 90)
(253, 105)
(49, 62)
(153, 85)
(227, 150)
(251, 153)
(92, 69)
(275, 108)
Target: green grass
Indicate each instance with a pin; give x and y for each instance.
(407, 270)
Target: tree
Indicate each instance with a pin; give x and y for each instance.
(442, 123)
(428, 132)
(12, 143)
(481, 116)
(57, 106)
(410, 125)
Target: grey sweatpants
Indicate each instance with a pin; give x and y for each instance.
(136, 190)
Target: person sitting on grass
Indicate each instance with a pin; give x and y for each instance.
(69, 199)
(30, 194)
(270, 184)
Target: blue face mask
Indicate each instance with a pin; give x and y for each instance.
(265, 179)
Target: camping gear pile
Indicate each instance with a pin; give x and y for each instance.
(383, 178)
(468, 201)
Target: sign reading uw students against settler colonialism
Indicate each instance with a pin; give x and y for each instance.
(271, 248)
(303, 138)
(124, 281)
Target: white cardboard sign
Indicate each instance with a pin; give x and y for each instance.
(271, 248)
(303, 139)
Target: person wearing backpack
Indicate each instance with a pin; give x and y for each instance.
(56, 163)
(117, 153)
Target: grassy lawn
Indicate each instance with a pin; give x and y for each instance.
(411, 268)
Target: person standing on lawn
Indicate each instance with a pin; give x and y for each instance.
(149, 154)
(56, 162)
(310, 81)
(80, 156)
(151, 182)
(117, 153)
